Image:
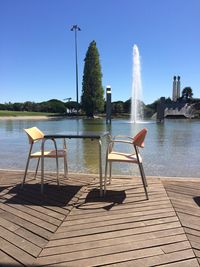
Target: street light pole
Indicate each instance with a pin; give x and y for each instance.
(75, 28)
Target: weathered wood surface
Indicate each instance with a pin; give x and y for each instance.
(72, 226)
(185, 198)
(27, 219)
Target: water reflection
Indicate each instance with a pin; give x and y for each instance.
(160, 130)
(91, 156)
(171, 149)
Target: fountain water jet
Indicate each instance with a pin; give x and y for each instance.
(136, 104)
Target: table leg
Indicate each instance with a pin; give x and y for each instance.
(42, 166)
(100, 169)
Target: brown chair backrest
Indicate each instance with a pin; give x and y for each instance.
(34, 134)
(138, 139)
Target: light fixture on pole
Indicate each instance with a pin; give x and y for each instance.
(75, 28)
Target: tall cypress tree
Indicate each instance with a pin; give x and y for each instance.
(92, 90)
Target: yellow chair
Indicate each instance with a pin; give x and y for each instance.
(135, 157)
(35, 135)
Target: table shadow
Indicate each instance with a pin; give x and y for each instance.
(53, 195)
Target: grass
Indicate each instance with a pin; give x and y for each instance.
(6, 113)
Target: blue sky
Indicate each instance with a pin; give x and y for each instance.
(37, 58)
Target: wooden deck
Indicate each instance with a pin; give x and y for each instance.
(71, 225)
(185, 198)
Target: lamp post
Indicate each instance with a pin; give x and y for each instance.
(75, 28)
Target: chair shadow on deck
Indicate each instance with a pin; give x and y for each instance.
(197, 200)
(111, 199)
(54, 195)
(2, 188)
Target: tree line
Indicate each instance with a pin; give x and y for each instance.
(70, 108)
(119, 108)
(51, 106)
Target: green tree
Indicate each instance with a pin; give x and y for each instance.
(92, 91)
(127, 106)
(53, 105)
(28, 106)
(18, 106)
(187, 93)
(117, 107)
(56, 106)
(150, 109)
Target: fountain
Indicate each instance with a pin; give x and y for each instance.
(136, 104)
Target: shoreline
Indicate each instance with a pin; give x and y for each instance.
(27, 117)
(43, 117)
(117, 176)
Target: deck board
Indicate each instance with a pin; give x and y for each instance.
(185, 198)
(72, 225)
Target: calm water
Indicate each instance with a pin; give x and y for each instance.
(171, 149)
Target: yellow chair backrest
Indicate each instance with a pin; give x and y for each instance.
(34, 134)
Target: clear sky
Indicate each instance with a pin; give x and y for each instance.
(37, 57)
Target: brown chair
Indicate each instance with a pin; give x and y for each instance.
(135, 157)
(35, 135)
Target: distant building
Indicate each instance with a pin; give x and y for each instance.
(174, 109)
(176, 88)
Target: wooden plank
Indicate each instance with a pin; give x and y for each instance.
(139, 241)
(117, 227)
(28, 235)
(85, 224)
(36, 205)
(27, 207)
(182, 195)
(189, 221)
(20, 242)
(118, 239)
(6, 260)
(16, 253)
(83, 258)
(169, 248)
(107, 235)
(89, 207)
(50, 222)
(28, 217)
(11, 226)
(118, 214)
(160, 260)
(145, 257)
(27, 225)
(46, 201)
(185, 263)
(195, 245)
(32, 237)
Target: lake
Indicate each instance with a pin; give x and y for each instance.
(171, 148)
